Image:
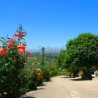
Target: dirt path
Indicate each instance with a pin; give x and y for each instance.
(61, 87)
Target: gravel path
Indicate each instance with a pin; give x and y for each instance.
(61, 87)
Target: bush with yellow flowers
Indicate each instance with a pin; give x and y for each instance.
(36, 78)
(40, 76)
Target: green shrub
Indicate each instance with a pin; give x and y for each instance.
(53, 70)
(63, 72)
(35, 78)
(46, 73)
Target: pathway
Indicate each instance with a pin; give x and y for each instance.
(61, 87)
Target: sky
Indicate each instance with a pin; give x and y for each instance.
(48, 23)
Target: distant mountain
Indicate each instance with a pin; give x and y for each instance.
(47, 50)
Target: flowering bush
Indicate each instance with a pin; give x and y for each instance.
(39, 74)
(36, 78)
(12, 61)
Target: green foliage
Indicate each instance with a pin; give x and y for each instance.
(33, 67)
(36, 58)
(35, 77)
(63, 72)
(12, 76)
(33, 80)
(46, 73)
(61, 59)
(53, 70)
(34, 61)
(82, 51)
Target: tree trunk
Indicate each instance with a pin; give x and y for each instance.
(86, 75)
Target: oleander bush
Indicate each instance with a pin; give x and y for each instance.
(13, 57)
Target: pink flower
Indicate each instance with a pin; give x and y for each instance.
(11, 40)
(20, 46)
(16, 34)
(21, 51)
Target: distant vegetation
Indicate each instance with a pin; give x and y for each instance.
(35, 59)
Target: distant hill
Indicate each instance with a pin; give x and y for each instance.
(35, 59)
(47, 50)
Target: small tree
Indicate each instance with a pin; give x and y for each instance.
(12, 62)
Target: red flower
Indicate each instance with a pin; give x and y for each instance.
(20, 46)
(21, 35)
(3, 50)
(28, 52)
(16, 34)
(10, 44)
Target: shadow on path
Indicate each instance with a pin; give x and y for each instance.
(28, 97)
(79, 79)
(75, 78)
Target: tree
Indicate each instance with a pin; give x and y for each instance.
(82, 51)
(61, 59)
